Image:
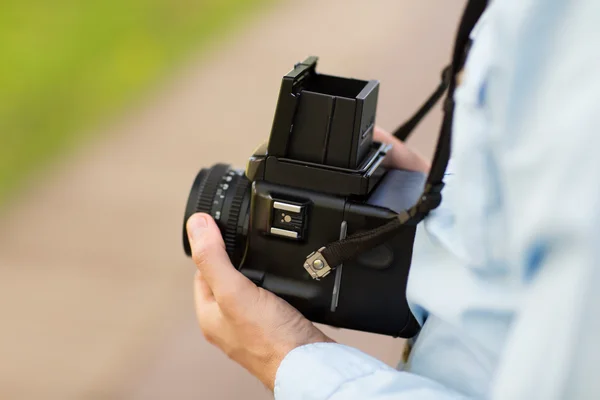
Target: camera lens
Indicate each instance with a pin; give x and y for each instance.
(224, 193)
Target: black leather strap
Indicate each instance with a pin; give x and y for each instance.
(471, 15)
(404, 131)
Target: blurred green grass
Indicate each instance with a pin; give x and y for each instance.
(67, 65)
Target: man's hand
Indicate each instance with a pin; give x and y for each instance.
(401, 156)
(252, 326)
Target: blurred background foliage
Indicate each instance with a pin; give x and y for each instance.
(67, 65)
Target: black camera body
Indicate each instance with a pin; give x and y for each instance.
(319, 179)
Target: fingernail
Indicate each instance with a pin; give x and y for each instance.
(196, 225)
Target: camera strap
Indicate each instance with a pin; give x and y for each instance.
(404, 131)
(346, 249)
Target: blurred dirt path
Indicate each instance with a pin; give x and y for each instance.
(96, 296)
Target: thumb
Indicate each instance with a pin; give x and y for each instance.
(208, 252)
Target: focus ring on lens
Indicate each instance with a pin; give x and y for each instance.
(208, 188)
(236, 207)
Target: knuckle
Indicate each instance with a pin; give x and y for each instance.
(233, 352)
(198, 257)
(200, 252)
(207, 249)
(209, 336)
(208, 327)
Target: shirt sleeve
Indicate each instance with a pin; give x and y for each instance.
(331, 371)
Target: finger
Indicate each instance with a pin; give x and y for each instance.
(207, 309)
(202, 291)
(400, 156)
(208, 252)
(380, 134)
(403, 157)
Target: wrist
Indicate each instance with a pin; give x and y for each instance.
(268, 370)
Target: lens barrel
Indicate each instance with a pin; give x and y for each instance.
(223, 193)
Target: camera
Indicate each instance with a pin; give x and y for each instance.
(319, 179)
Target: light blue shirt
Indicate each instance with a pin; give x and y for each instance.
(506, 268)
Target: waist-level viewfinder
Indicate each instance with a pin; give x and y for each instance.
(322, 134)
(323, 119)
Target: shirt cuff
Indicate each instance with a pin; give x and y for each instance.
(315, 371)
